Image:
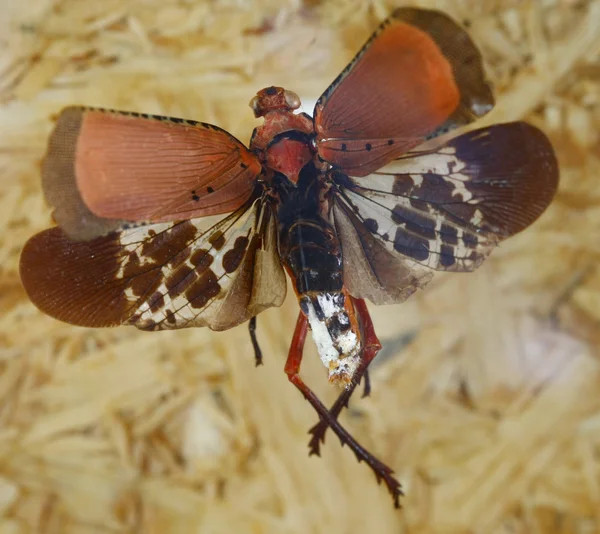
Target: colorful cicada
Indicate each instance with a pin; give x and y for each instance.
(349, 202)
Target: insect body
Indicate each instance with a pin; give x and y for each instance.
(308, 244)
(346, 202)
(312, 254)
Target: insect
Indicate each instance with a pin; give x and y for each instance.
(167, 223)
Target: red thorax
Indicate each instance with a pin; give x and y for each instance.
(286, 154)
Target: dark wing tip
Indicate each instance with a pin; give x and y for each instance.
(477, 96)
(518, 174)
(64, 280)
(59, 182)
(541, 184)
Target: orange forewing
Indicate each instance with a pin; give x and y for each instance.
(104, 167)
(418, 75)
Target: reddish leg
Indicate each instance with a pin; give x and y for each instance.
(371, 347)
(292, 368)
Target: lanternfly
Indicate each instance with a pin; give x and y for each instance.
(351, 203)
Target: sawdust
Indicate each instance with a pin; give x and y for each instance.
(486, 400)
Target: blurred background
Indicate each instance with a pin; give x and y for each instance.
(486, 397)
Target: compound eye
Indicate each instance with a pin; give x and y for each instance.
(254, 104)
(292, 99)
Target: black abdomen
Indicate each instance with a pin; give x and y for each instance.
(308, 243)
(311, 250)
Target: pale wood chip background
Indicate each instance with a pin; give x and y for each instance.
(486, 398)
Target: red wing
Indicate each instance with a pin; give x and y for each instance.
(160, 276)
(419, 75)
(105, 167)
(443, 209)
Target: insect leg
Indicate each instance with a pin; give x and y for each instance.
(292, 368)
(367, 390)
(371, 347)
(371, 342)
(255, 345)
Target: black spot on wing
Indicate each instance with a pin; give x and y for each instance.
(204, 289)
(217, 239)
(414, 221)
(447, 258)
(201, 259)
(469, 240)
(372, 225)
(179, 279)
(403, 186)
(156, 301)
(411, 245)
(232, 258)
(449, 234)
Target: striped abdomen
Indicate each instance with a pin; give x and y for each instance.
(312, 254)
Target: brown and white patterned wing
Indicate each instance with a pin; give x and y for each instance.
(160, 276)
(443, 209)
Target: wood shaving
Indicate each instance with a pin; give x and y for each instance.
(488, 406)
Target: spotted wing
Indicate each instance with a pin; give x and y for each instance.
(418, 75)
(160, 276)
(443, 209)
(104, 167)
